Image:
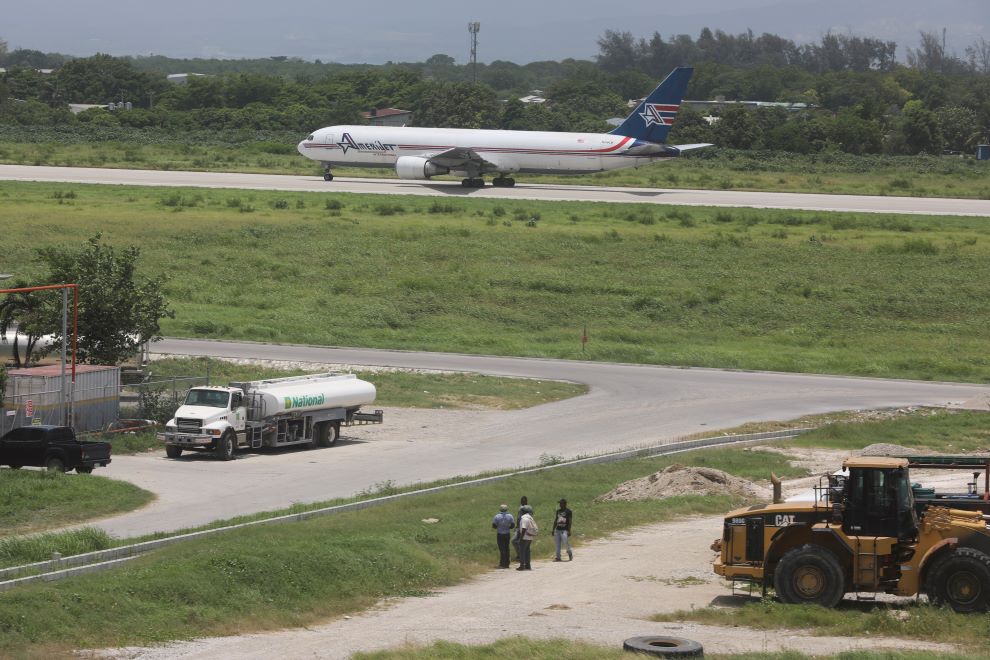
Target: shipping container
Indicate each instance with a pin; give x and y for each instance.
(34, 396)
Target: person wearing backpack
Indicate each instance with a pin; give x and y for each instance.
(527, 532)
(562, 530)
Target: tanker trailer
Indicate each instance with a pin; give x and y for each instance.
(279, 412)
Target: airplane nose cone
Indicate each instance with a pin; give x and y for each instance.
(302, 147)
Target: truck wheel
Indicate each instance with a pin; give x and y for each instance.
(225, 446)
(961, 580)
(55, 464)
(809, 575)
(84, 469)
(172, 451)
(664, 647)
(329, 432)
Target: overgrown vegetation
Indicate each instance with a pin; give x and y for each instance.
(652, 284)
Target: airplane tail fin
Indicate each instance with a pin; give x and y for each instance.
(652, 119)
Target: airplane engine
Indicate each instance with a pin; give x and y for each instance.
(414, 167)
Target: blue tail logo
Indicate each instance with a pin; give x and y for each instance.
(652, 119)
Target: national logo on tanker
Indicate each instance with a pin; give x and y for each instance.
(303, 401)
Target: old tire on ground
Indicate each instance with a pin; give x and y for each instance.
(664, 647)
(172, 451)
(961, 580)
(55, 464)
(809, 575)
(84, 469)
(225, 446)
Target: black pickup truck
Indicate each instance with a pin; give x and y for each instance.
(52, 447)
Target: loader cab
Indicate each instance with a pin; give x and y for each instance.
(878, 500)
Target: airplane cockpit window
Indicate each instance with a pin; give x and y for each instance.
(311, 138)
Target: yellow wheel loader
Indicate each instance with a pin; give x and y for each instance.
(861, 533)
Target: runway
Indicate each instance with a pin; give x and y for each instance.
(522, 191)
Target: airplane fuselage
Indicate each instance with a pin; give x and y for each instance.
(421, 153)
(505, 151)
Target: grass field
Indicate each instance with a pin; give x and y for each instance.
(850, 619)
(875, 295)
(945, 432)
(402, 389)
(566, 649)
(270, 577)
(715, 168)
(32, 500)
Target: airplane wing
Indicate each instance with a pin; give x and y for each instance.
(460, 158)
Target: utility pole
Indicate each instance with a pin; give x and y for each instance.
(474, 27)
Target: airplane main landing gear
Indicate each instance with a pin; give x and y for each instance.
(503, 182)
(476, 182)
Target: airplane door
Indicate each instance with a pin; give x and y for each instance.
(330, 138)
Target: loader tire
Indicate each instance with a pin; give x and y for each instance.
(961, 580)
(809, 575)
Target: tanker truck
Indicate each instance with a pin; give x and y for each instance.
(279, 412)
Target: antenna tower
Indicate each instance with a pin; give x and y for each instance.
(474, 27)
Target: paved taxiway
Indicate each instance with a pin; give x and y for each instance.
(628, 405)
(545, 192)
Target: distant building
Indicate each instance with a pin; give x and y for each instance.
(388, 117)
(76, 108)
(749, 105)
(182, 78)
(534, 96)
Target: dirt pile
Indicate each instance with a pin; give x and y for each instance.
(888, 449)
(682, 480)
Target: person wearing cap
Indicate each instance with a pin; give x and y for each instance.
(503, 523)
(562, 530)
(527, 532)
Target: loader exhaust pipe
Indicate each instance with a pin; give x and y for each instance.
(775, 480)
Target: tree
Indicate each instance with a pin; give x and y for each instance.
(916, 130)
(737, 128)
(3, 47)
(958, 127)
(118, 310)
(979, 56)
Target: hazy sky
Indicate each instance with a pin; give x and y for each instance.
(412, 30)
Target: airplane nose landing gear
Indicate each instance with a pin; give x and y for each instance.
(327, 174)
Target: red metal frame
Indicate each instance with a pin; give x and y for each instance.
(75, 311)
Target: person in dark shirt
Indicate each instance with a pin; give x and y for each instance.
(562, 530)
(523, 501)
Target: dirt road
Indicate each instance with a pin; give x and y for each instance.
(604, 596)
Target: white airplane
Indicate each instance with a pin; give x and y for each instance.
(420, 153)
